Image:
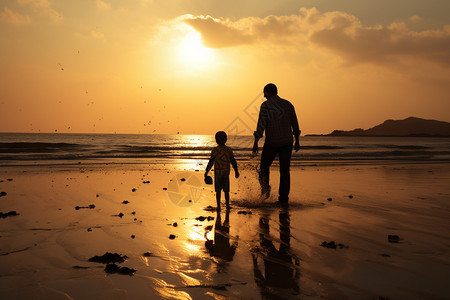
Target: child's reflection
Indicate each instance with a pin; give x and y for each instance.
(220, 247)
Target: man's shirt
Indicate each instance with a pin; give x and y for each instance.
(277, 117)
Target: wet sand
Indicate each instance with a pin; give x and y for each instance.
(256, 250)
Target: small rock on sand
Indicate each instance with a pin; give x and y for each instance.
(172, 236)
(332, 245)
(146, 181)
(175, 224)
(133, 190)
(201, 218)
(2, 194)
(8, 214)
(108, 258)
(113, 268)
(165, 189)
(183, 179)
(350, 196)
(147, 254)
(330, 199)
(133, 236)
(393, 238)
(125, 202)
(9, 179)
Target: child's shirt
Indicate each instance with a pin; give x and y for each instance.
(222, 156)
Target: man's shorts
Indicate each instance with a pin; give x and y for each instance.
(222, 182)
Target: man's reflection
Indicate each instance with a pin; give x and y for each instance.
(220, 247)
(280, 271)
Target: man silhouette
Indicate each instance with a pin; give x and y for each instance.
(278, 119)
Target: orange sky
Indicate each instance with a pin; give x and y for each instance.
(147, 66)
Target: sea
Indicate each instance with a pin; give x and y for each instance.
(22, 149)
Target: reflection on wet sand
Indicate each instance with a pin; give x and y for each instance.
(281, 266)
(220, 247)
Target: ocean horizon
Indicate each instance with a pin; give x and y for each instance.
(75, 148)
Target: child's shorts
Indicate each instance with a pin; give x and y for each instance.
(222, 182)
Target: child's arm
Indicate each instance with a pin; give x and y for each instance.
(210, 164)
(235, 167)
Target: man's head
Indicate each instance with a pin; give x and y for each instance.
(221, 138)
(270, 90)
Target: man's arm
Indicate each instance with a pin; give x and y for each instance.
(295, 128)
(260, 127)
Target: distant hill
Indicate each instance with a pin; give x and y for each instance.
(408, 127)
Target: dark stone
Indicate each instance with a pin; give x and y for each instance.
(171, 236)
(108, 258)
(89, 229)
(97, 195)
(183, 179)
(133, 213)
(135, 219)
(113, 268)
(350, 196)
(120, 215)
(333, 245)
(393, 238)
(133, 236)
(330, 199)
(9, 179)
(147, 254)
(201, 218)
(3, 194)
(175, 224)
(165, 189)
(91, 206)
(8, 214)
(133, 190)
(125, 202)
(146, 181)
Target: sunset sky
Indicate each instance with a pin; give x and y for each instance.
(199, 66)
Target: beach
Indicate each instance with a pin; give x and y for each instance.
(351, 231)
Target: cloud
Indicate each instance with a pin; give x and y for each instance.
(103, 5)
(219, 33)
(337, 32)
(44, 8)
(8, 16)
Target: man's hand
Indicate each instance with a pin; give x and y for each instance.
(255, 149)
(297, 146)
(236, 174)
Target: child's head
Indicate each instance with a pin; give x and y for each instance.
(221, 138)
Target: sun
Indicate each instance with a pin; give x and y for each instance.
(192, 53)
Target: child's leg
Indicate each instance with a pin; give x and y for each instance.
(227, 199)
(218, 199)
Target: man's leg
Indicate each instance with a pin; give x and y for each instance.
(285, 177)
(267, 157)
